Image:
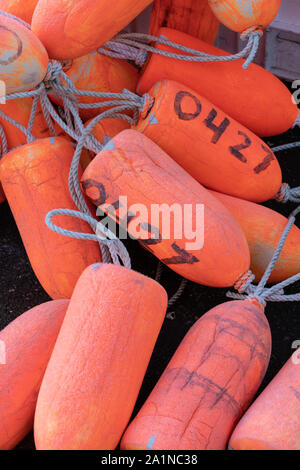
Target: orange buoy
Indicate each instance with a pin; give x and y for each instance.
(20, 110)
(99, 360)
(104, 130)
(188, 16)
(241, 15)
(272, 421)
(263, 228)
(24, 60)
(97, 72)
(208, 384)
(132, 166)
(73, 29)
(215, 149)
(268, 114)
(35, 181)
(22, 9)
(26, 345)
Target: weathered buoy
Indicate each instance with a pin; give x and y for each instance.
(273, 420)
(215, 149)
(97, 72)
(99, 361)
(240, 15)
(132, 166)
(188, 16)
(20, 109)
(35, 181)
(263, 228)
(24, 60)
(26, 344)
(268, 114)
(73, 29)
(20, 8)
(208, 384)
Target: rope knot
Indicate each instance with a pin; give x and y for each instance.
(53, 71)
(284, 193)
(253, 31)
(244, 281)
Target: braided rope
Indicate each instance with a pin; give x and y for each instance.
(141, 41)
(276, 293)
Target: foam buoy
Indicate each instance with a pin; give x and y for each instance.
(109, 333)
(266, 115)
(273, 420)
(188, 16)
(215, 149)
(20, 109)
(21, 9)
(208, 384)
(263, 228)
(73, 29)
(35, 181)
(26, 344)
(215, 254)
(97, 72)
(24, 60)
(240, 15)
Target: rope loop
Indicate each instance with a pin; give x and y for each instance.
(260, 293)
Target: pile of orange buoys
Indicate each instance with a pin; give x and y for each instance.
(161, 140)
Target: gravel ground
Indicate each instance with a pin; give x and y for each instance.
(20, 290)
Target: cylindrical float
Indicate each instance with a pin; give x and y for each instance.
(208, 384)
(267, 114)
(20, 109)
(273, 421)
(24, 60)
(73, 29)
(215, 149)
(263, 228)
(21, 8)
(188, 16)
(241, 15)
(99, 360)
(97, 72)
(35, 181)
(174, 217)
(27, 344)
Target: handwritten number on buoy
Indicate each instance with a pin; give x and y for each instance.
(266, 161)
(236, 149)
(178, 106)
(217, 130)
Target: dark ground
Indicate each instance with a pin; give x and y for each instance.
(20, 290)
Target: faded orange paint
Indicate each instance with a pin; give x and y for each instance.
(208, 384)
(239, 15)
(99, 361)
(20, 110)
(70, 29)
(29, 341)
(35, 181)
(24, 60)
(133, 166)
(272, 422)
